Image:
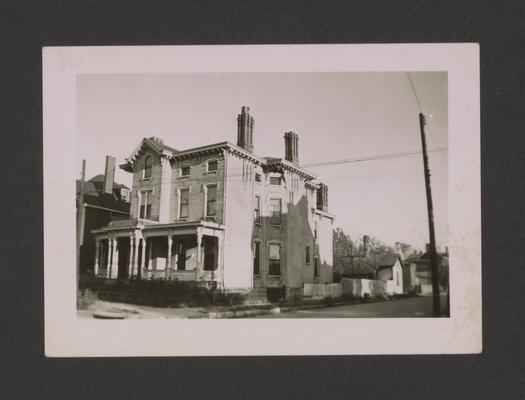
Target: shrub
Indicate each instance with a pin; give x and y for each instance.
(328, 301)
(365, 298)
(228, 299)
(85, 298)
(349, 297)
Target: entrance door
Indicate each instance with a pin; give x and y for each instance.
(123, 258)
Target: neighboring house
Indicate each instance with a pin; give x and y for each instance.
(220, 213)
(390, 269)
(104, 200)
(421, 275)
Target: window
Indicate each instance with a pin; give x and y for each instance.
(257, 177)
(307, 253)
(256, 257)
(275, 180)
(211, 200)
(316, 267)
(184, 203)
(397, 278)
(275, 260)
(275, 211)
(147, 167)
(315, 230)
(257, 209)
(145, 204)
(185, 171)
(213, 165)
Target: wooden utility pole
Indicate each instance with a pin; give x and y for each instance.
(432, 247)
(80, 218)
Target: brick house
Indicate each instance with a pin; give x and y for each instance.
(220, 213)
(104, 200)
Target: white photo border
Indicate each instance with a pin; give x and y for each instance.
(69, 336)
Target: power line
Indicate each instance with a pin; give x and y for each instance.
(375, 157)
(385, 156)
(420, 107)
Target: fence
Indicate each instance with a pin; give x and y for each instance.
(362, 287)
(322, 290)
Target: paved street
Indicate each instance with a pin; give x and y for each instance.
(411, 307)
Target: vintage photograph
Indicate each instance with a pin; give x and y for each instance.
(251, 200)
(262, 195)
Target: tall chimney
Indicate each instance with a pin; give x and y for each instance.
(245, 124)
(322, 197)
(398, 250)
(366, 241)
(291, 147)
(109, 174)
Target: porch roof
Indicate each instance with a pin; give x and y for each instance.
(184, 224)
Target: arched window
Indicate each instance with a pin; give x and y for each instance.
(147, 167)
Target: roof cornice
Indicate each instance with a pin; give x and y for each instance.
(287, 165)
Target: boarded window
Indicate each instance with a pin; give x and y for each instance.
(275, 260)
(256, 257)
(211, 200)
(213, 165)
(257, 209)
(145, 204)
(147, 167)
(184, 203)
(275, 211)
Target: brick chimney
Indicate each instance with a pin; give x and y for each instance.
(109, 174)
(245, 124)
(366, 243)
(291, 147)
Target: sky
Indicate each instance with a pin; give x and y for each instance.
(338, 116)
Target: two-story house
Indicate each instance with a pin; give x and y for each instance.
(103, 200)
(220, 213)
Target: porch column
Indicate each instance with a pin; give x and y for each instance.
(130, 255)
(177, 244)
(114, 267)
(199, 253)
(97, 256)
(143, 256)
(168, 261)
(136, 256)
(219, 261)
(150, 254)
(111, 257)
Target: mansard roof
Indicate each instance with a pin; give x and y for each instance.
(158, 146)
(153, 143)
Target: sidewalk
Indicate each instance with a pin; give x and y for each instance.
(108, 310)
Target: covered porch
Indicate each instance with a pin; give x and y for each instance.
(189, 251)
